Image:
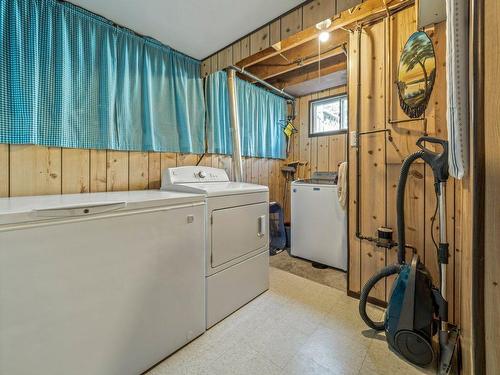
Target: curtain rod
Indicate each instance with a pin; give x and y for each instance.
(276, 90)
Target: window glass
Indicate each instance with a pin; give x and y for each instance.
(328, 115)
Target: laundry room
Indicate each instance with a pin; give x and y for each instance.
(249, 187)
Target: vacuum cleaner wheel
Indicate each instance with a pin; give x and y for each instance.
(414, 347)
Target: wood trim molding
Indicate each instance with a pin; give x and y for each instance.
(477, 154)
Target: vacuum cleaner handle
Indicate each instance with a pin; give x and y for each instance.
(437, 161)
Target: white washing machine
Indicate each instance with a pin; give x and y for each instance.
(319, 223)
(237, 239)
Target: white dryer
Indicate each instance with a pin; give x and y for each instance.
(237, 239)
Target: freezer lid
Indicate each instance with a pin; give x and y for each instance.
(37, 208)
(214, 189)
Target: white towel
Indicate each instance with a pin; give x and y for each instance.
(457, 64)
(342, 185)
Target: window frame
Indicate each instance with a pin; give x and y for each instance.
(333, 132)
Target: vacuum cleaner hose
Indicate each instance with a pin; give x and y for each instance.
(363, 298)
(400, 202)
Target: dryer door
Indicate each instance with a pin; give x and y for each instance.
(238, 231)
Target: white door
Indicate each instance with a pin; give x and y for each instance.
(238, 231)
(105, 296)
(319, 225)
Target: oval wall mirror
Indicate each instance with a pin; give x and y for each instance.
(416, 74)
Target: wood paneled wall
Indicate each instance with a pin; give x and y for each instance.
(381, 158)
(37, 170)
(322, 153)
(492, 188)
(308, 14)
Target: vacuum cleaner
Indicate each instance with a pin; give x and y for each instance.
(417, 310)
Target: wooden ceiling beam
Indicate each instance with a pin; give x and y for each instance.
(299, 76)
(366, 11)
(269, 71)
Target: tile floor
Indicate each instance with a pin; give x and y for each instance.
(297, 327)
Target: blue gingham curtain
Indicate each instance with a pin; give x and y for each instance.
(69, 78)
(218, 126)
(262, 116)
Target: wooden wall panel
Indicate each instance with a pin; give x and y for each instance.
(263, 171)
(117, 171)
(317, 11)
(167, 160)
(186, 159)
(372, 156)
(405, 135)
(259, 40)
(236, 52)
(346, 4)
(225, 58)
(321, 153)
(415, 205)
(492, 189)
(245, 47)
(304, 153)
(337, 145)
(154, 170)
(291, 23)
(380, 54)
(275, 32)
(34, 170)
(98, 175)
(354, 276)
(214, 63)
(138, 171)
(75, 172)
(225, 162)
(206, 67)
(373, 207)
(4, 171)
(207, 160)
(254, 176)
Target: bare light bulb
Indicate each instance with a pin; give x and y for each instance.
(324, 36)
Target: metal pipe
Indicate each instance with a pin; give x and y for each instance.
(406, 120)
(375, 132)
(442, 212)
(274, 89)
(358, 144)
(235, 126)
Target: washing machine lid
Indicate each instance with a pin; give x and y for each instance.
(205, 180)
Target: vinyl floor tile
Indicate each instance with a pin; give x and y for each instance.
(297, 327)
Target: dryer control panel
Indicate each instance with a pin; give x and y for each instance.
(190, 174)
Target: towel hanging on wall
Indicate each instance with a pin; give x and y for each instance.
(342, 185)
(457, 50)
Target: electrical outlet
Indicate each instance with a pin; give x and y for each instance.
(353, 139)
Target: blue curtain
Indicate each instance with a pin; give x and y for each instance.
(262, 116)
(69, 78)
(218, 126)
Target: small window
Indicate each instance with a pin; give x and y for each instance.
(328, 116)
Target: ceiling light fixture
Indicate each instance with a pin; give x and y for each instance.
(323, 26)
(324, 36)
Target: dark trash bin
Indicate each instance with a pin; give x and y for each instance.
(277, 235)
